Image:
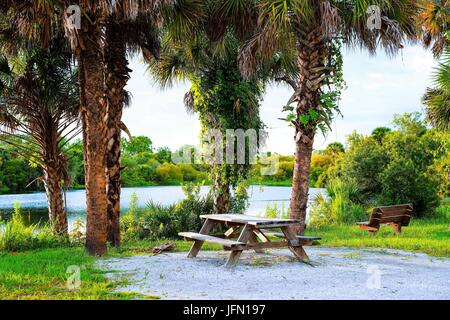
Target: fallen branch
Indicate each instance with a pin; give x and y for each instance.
(163, 247)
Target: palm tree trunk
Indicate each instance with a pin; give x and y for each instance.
(116, 80)
(93, 104)
(300, 181)
(311, 53)
(221, 195)
(55, 202)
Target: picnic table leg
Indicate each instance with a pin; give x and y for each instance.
(297, 250)
(245, 235)
(257, 234)
(206, 228)
(254, 239)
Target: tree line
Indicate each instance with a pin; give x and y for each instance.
(143, 165)
(229, 50)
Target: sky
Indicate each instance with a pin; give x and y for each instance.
(377, 88)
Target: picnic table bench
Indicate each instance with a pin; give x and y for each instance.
(397, 216)
(251, 233)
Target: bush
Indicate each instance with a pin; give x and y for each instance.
(442, 214)
(402, 183)
(16, 236)
(239, 200)
(169, 173)
(396, 167)
(157, 221)
(339, 207)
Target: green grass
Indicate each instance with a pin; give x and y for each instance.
(41, 274)
(427, 236)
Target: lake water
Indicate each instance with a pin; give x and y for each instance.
(34, 204)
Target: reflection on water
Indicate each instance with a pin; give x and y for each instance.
(34, 205)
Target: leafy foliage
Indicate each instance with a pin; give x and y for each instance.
(16, 236)
(399, 169)
(158, 221)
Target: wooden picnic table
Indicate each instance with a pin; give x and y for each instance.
(251, 233)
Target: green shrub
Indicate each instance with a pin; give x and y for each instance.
(339, 207)
(157, 221)
(402, 183)
(320, 213)
(239, 201)
(134, 206)
(402, 166)
(169, 173)
(16, 236)
(441, 214)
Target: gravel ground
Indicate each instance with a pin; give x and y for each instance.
(337, 273)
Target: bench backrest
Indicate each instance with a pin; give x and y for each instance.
(391, 214)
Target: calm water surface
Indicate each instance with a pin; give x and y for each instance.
(34, 205)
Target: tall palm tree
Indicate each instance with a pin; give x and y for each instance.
(126, 35)
(218, 94)
(42, 104)
(101, 82)
(206, 55)
(123, 36)
(37, 21)
(313, 28)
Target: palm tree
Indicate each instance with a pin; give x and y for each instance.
(313, 28)
(122, 35)
(42, 104)
(37, 21)
(218, 94)
(435, 24)
(437, 99)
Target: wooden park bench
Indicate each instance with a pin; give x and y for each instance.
(251, 234)
(397, 216)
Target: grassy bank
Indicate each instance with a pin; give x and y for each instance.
(271, 183)
(427, 236)
(41, 274)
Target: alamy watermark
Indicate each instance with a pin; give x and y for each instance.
(74, 277)
(73, 17)
(374, 20)
(374, 279)
(235, 147)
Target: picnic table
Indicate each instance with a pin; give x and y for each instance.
(251, 233)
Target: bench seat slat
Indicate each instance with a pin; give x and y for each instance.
(208, 238)
(281, 235)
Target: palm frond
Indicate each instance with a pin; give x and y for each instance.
(437, 100)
